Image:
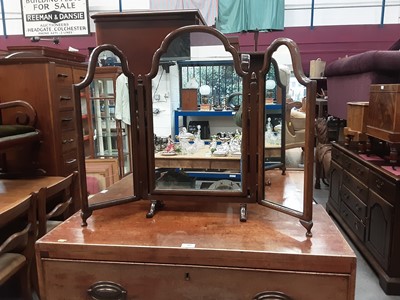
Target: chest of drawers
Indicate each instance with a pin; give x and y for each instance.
(194, 251)
(364, 198)
(46, 83)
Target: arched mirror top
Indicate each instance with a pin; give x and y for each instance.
(295, 59)
(94, 59)
(193, 29)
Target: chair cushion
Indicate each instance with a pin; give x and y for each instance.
(10, 130)
(298, 119)
(10, 263)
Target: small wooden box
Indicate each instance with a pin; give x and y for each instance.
(357, 114)
(383, 120)
(189, 99)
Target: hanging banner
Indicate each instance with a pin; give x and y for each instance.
(55, 17)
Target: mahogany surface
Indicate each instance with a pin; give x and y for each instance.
(203, 239)
(13, 191)
(189, 235)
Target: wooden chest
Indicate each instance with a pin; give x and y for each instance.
(384, 112)
(357, 114)
(189, 99)
(195, 251)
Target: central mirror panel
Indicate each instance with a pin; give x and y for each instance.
(195, 96)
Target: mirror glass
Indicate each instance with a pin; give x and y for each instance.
(106, 126)
(284, 137)
(196, 94)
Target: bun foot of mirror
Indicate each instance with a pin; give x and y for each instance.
(154, 206)
(243, 212)
(307, 225)
(85, 216)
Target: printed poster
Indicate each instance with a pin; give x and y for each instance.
(55, 17)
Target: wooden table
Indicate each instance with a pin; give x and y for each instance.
(203, 159)
(193, 250)
(13, 191)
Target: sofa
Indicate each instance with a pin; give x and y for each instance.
(349, 78)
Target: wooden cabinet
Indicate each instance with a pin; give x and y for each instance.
(364, 199)
(208, 254)
(45, 81)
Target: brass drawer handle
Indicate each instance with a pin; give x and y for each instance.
(271, 296)
(62, 75)
(107, 290)
(379, 184)
(65, 98)
(66, 119)
(70, 161)
(67, 141)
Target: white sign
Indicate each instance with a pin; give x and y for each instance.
(55, 17)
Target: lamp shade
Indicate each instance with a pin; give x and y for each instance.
(205, 90)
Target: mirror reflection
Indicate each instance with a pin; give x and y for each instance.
(105, 121)
(195, 97)
(284, 139)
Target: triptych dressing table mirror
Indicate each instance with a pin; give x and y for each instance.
(196, 163)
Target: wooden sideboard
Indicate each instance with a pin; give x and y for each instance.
(194, 251)
(364, 198)
(41, 77)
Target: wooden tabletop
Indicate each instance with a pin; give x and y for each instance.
(13, 191)
(203, 159)
(197, 232)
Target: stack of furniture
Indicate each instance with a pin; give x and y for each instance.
(349, 78)
(365, 184)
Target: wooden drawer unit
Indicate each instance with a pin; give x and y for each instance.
(383, 187)
(187, 282)
(337, 156)
(355, 168)
(358, 207)
(352, 221)
(68, 140)
(212, 256)
(357, 187)
(46, 83)
(70, 162)
(369, 212)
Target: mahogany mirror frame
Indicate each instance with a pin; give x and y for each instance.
(159, 195)
(87, 207)
(305, 216)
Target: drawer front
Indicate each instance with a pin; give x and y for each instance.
(355, 168)
(64, 76)
(352, 221)
(337, 155)
(79, 75)
(358, 207)
(63, 95)
(70, 162)
(354, 185)
(68, 140)
(383, 187)
(154, 281)
(67, 120)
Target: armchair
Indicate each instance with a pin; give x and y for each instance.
(295, 123)
(17, 131)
